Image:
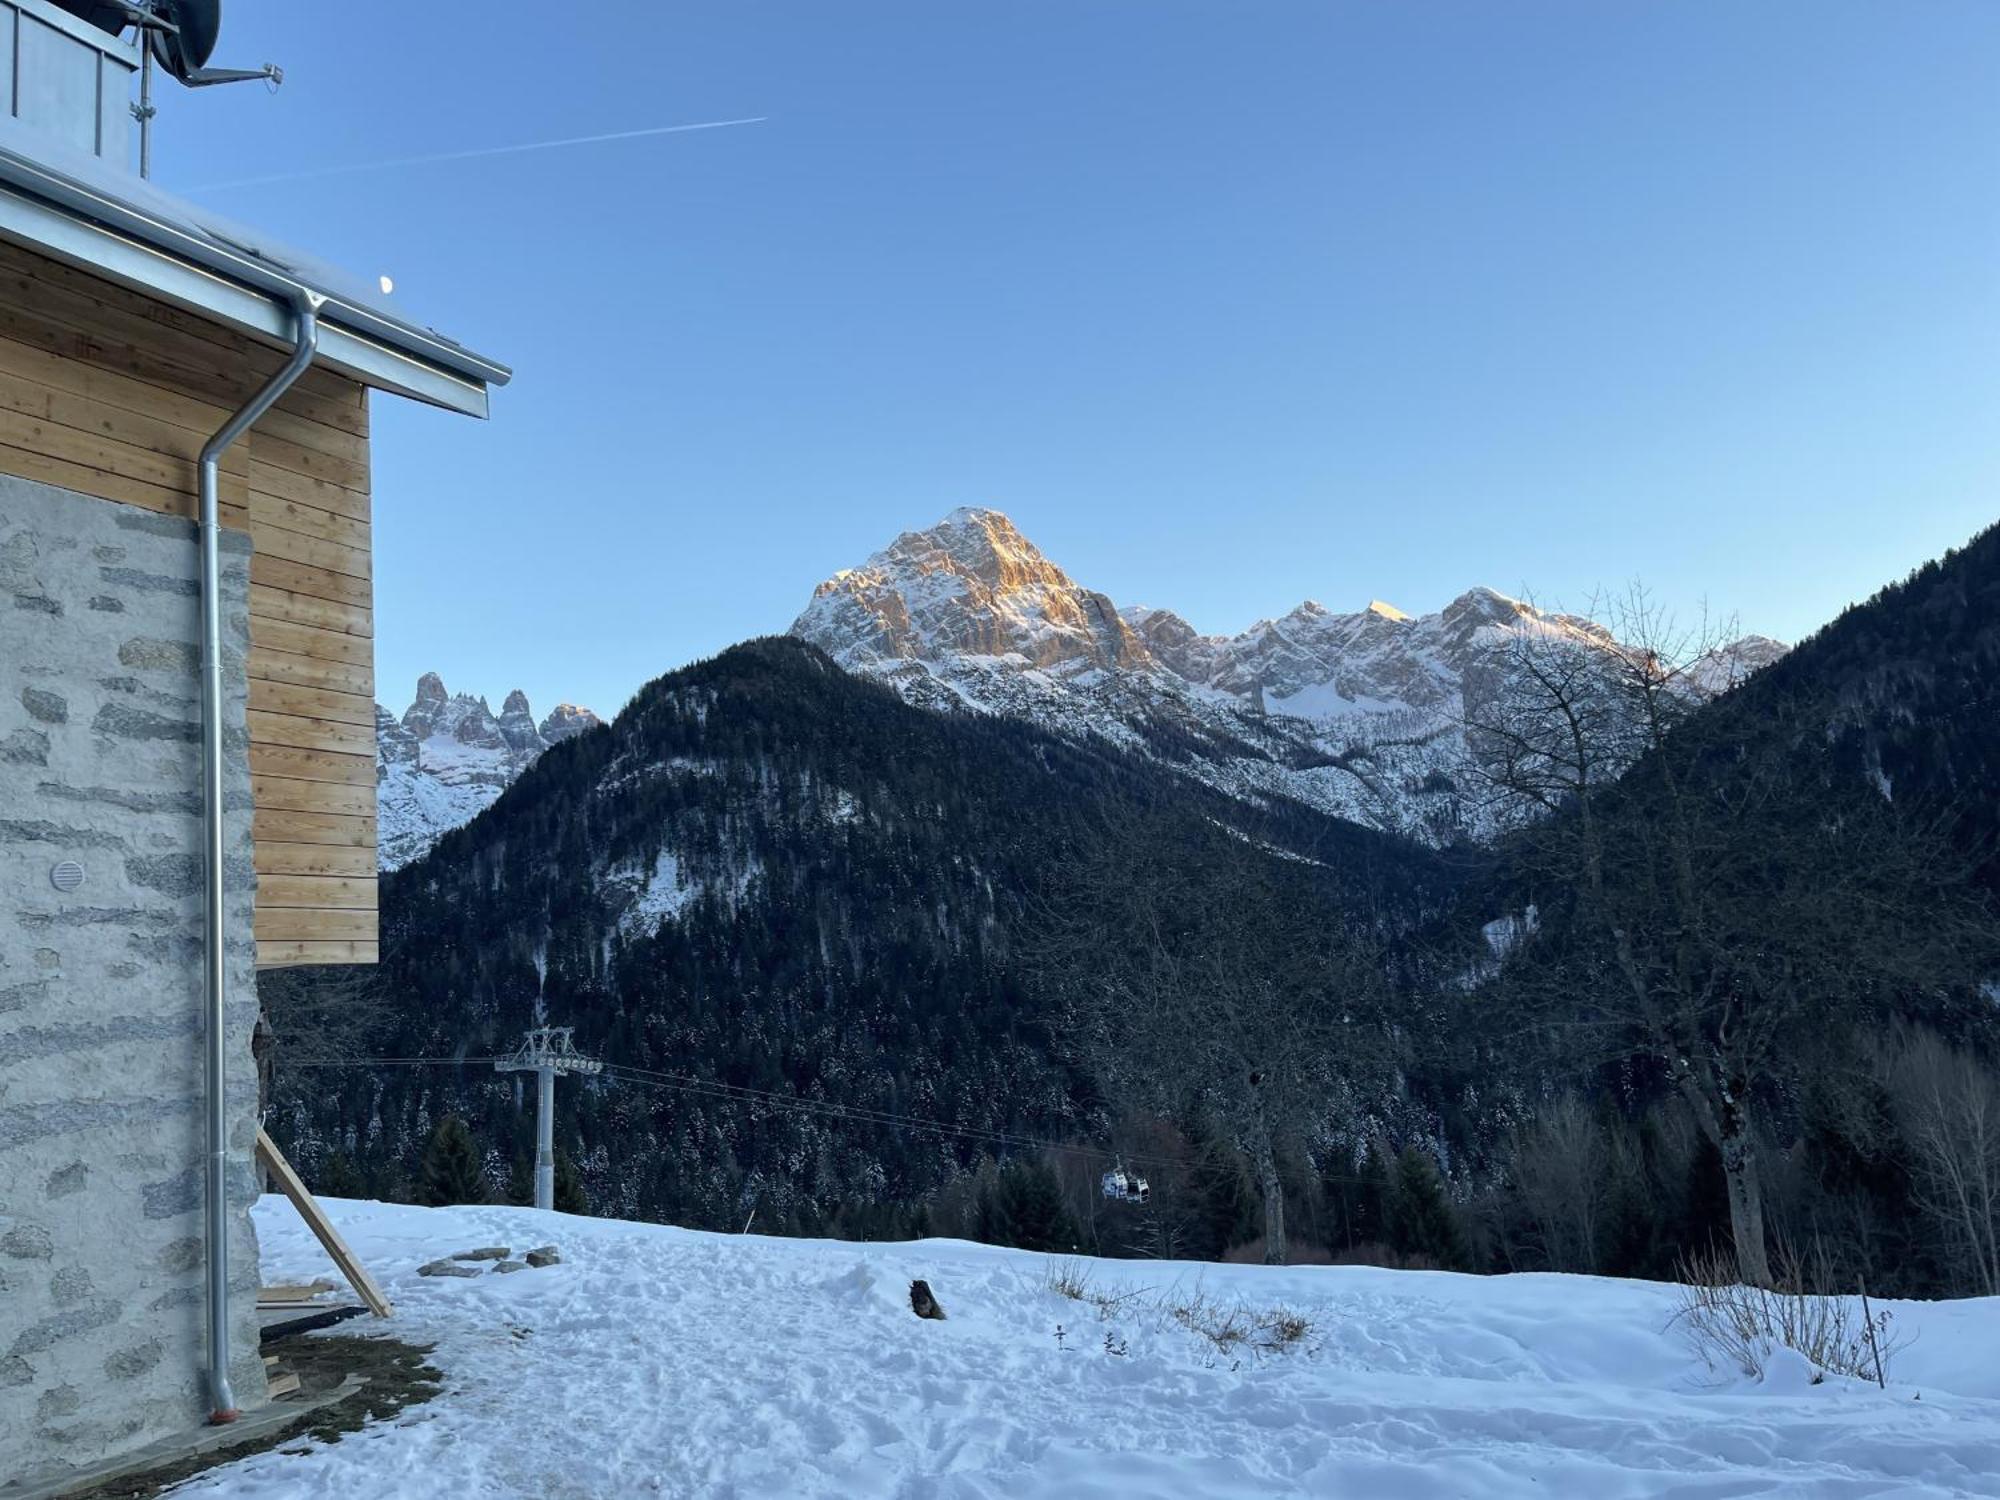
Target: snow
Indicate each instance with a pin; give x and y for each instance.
(1324, 700)
(418, 804)
(1504, 934)
(658, 1361)
(665, 893)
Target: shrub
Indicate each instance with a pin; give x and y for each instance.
(1234, 1328)
(1736, 1326)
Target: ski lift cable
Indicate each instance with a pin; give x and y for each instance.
(389, 1062)
(832, 1109)
(744, 1094)
(736, 1093)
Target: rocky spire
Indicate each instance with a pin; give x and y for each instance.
(517, 724)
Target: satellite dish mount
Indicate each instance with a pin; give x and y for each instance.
(180, 35)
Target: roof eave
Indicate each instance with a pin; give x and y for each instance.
(61, 218)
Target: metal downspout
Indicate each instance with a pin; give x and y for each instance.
(305, 311)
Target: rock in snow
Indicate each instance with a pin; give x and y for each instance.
(667, 1362)
(1356, 714)
(448, 757)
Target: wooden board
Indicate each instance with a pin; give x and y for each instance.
(303, 733)
(284, 955)
(295, 669)
(290, 794)
(276, 858)
(302, 1292)
(350, 769)
(314, 924)
(274, 602)
(321, 1226)
(276, 637)
(270, 697)
(314, 891)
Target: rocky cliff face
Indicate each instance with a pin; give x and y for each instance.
(1353, 713)
(448, 757)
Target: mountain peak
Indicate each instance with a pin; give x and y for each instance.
(970, 614)
(977, 515)
(971, 585)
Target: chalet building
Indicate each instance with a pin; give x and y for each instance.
(187, 773)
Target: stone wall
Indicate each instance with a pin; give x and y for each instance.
(101, 1125)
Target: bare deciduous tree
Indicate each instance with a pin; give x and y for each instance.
(318, 1016)
(1562, 1167)
(1950, 1106)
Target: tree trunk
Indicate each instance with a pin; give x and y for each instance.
(1721, 1113)
(1273, 1193)
(1746, 1201)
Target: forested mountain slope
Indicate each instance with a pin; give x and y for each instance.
(1778, 926)
(1912, 684)
(771, 873)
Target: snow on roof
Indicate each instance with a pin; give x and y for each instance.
(84, 186)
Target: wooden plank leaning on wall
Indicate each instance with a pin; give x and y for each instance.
(106, 392)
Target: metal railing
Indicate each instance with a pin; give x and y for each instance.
(65, 78)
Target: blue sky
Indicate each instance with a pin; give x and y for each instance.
(1227, 305)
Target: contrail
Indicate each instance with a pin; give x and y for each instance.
(418, 161)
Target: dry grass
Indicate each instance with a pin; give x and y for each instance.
(1233, 1328)
(1072, 1279)
(1736, 1327)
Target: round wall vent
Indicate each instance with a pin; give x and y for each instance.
(66, 876)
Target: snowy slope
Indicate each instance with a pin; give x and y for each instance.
(448, 757)
(658, 1361)
(1354, 713)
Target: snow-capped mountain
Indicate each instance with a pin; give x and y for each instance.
(448, 757)
(1355, 713)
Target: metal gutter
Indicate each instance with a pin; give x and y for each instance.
(133, 245)
(63, 236)
(305, 344)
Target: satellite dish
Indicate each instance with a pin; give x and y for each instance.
(185, 52)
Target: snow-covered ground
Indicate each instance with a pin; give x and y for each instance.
(657, 1361)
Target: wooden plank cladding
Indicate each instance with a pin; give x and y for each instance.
(110, 393)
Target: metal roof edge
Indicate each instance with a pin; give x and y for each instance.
(88, 228)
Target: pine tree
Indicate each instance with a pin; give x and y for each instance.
(337, 1178)
(1032, 1200)
(451, 1171)
(1361, 1207)
(1422, 1221)
(1022, 1206)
